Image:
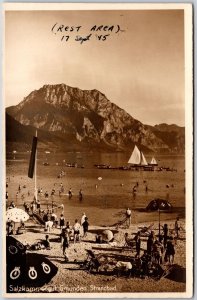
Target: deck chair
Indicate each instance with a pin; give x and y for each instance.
(92, 262)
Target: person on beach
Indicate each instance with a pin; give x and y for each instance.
(177, 227)
(38, 205)
(128, 241)
(33, 207)
(137, 244)
(150, 242)
(165, 234)
(62, 221)
(68, 227)
(12, 205)
(27, 208)
(170, 251)
(54, 219)
(19, 188)
(46, 195)
(6, 196)
(76, 228)
(157, 252)
(128, 217)
(85, 227)
(83, 218)
(45, 217)
(65, 242)
(9, 228)
(46, 242)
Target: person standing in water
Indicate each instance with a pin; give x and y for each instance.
(70, 193)
(80, 195)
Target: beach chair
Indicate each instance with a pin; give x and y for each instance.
(92, 263)
(145, 230)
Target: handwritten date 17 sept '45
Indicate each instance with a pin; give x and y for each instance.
(101, 32)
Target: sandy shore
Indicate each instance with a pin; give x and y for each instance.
(70, 278)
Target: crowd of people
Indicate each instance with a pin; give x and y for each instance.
(159, 249)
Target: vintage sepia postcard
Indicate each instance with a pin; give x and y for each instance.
(98, 172)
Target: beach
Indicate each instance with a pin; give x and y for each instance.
(70, 278)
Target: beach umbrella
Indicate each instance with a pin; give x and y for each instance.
(100, 178)
(159, 205)
(16, 215)
(107, 235)
(26, 269)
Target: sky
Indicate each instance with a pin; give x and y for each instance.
(140, 68)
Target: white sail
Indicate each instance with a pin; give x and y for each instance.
(135, 158)
(143, 160)
(153, 161)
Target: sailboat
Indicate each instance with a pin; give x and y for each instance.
(153, 162)
(137, 158)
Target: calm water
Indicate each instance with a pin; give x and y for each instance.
(113, 192)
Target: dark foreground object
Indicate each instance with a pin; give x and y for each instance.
(26, 270)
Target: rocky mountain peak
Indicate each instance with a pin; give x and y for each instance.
(87, 115)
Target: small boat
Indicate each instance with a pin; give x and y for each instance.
(45, 164)
(153, 162)
(103, 166)
(74, 165)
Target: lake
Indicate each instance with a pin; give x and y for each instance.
(113, 194)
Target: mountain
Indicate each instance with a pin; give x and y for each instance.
(170, 128)
(86, 119)
(172, 135)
